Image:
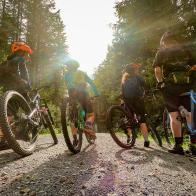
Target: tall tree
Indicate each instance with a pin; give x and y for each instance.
(136, 37)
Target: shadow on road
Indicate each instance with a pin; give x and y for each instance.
(7, 156)
(138, 156)
(62, 175)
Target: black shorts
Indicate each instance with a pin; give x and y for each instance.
(172, 98)
(137, 105)
(83, 98)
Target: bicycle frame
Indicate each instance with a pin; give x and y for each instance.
(192, 96)
(38, 109)
(193, 111)
(132, 115)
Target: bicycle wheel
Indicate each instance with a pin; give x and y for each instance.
(154, 134)
(69, 116)
(51, 128)
(118, 123)
(19, 133)
(167, 130)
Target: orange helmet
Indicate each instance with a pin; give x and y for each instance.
(21, 46)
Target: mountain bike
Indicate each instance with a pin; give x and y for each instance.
(22, 118)
(186, 129)
(73, 117)
(123, 123)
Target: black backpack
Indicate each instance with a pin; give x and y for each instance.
(132, 88)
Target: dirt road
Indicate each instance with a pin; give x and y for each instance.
(100, 169)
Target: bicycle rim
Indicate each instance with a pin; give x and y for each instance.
(20, 134)
(68, 120)
(167, 130)
(118, 123)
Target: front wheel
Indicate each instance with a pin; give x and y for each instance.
(19, 133)
(119, 126)
(69, 116)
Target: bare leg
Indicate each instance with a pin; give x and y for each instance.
(177, 132)
(129, 132)
(73, 129)
(1, 133)
(189, 119)
(175, 124)
(90, 117)
(144, 131)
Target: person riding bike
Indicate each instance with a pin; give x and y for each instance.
(174, 66)
(14, 74)
(77, 84)
(133, 87)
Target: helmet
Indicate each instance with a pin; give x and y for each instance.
(71, 64)
(168, 37)
(16, 46)
(129, 68)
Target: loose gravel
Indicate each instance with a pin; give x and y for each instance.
(100, 169)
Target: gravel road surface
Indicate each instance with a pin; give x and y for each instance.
(100, 169)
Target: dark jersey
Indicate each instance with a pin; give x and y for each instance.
(175, 59)
(133, 87)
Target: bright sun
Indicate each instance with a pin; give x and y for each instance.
(87, 27)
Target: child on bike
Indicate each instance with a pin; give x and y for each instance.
(14, 73)
(133, 86)
(77, 85)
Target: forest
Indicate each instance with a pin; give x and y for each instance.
(137, 32)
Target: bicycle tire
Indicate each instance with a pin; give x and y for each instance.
(65, 130)
(112, 132)
(166, 127)
(154, 134)
(51, 128)
(5, 126)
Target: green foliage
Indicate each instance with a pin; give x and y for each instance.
(38, 23)
(136, 38)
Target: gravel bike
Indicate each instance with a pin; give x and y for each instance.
(121, 119)
(189, 129)
(21, 119)
(73, 117)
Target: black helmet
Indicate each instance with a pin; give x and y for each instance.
(168, 37)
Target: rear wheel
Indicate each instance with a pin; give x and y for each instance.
(167, 129)
(118, 123)
(19, 133)
(69, 116)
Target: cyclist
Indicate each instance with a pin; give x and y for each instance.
(172, 65)
(77, 84)
(133, 86)
(14, 73)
